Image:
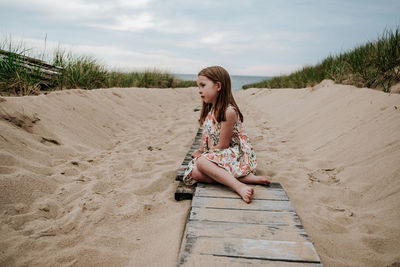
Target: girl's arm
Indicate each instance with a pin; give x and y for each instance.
(225, 136)
(199, 151)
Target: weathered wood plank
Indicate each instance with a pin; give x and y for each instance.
(254, 249)
(223, 229)
(32, 61)
(244, 216)
(220, 261)
(279, 232)
(235, 203)
(260, 192)
(184, 191)
(271, 185)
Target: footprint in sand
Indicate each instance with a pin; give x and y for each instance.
(270, 173)
(376, 243)
(7, 162)
(329, 226)
(325, 176)
(49, 141)
(73, 168)
(265, 130)
(258, 138)
(272, 149)
(346, 212)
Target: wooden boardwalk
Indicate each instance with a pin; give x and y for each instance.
(222, 229)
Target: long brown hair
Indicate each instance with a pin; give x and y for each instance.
(224, 97)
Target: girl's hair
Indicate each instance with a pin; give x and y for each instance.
(224, 97)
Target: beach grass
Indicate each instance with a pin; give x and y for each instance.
(85, 72)
(375, 64)
(15, 77)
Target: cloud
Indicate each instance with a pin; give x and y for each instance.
(124, 12)
(286, 36)
(212, 38)
(114, 57)
(69, 10)
(131, 3)
(266, 69)
(143, 21)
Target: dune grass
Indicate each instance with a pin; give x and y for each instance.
(85, 72)
(15, 77)
(375, 64)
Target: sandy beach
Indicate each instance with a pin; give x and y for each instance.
(87, 177)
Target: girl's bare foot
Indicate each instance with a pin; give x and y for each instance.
(246, 193)
(253, 179)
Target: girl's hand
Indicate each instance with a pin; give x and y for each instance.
(196, 154)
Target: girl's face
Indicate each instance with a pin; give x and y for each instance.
(208, 90)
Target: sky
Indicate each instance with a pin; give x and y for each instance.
(253, 37)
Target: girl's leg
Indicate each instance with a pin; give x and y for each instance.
(253, 179)
(220, 175)
(201, 177)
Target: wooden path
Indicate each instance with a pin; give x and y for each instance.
(222, 230)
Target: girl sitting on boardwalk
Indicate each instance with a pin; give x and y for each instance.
(226, 155)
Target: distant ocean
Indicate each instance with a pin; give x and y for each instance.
(237, 80)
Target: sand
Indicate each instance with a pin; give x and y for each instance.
(87, 177)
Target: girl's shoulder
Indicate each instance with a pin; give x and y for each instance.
(231, 113)
(230, 110)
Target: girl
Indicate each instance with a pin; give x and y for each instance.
(226, 155)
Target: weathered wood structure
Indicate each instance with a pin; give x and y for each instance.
(224, 230)
(45, 71)
(186, 191)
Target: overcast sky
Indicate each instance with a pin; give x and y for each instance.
(246, 37)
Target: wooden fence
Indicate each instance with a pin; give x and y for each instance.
(45, 71)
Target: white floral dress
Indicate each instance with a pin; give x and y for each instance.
(238, 159)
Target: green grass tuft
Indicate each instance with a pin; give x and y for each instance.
(15, 77)
(19, 78)
(375, 65)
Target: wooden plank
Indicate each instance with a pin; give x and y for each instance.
(260, 192)
(30, 60)
(221, 261)
(245, 216)
(184, 191)
(274, 185)
(224, 230)
(239, 204)
(254, 249)
(282, 232)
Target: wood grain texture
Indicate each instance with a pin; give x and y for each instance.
(255, 249)
(223, 230)
(184, 192)
(239, 204)
(216, 190)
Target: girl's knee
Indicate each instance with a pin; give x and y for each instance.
(201, 162)
(195, 173)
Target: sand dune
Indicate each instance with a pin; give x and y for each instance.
(87, 177)
(336, 150)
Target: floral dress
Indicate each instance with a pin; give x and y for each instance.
(238, 159)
